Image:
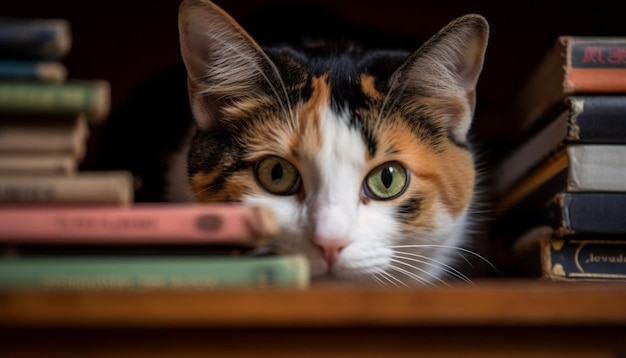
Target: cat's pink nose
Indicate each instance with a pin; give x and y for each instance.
(331, 248)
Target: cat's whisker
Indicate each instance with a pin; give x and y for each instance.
(391, 278)
(380, 281)
(461, 249)
(433, 263)
(413, 275)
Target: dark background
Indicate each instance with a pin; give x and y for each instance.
(134, 44)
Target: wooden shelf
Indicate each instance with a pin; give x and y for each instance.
(491, 318)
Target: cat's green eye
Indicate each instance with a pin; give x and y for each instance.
(387, 181)
(277, 176)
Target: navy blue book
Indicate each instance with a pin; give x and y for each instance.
(49, 39)
(569, 213)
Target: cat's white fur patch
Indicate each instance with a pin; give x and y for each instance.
(333, 209)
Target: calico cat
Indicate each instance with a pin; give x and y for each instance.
(363, 154)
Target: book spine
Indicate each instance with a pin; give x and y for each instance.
(564, 259)
(91, 97)
(566, 213)
(597, 119)
(201, 272)
(596, 167)
(595, 65)
(38, 164)
(45, 138)
(141, 223)
(98, 187)
(35, 38)
(589, 212)
(48, 71)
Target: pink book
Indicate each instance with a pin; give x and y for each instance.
(142, 223)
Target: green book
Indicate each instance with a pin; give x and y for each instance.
(121, 272)
(90, 97)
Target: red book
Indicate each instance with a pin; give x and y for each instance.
(573, 65)
(142, 223)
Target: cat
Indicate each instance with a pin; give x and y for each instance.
(363, 154)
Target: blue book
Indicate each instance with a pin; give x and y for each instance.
(34, 38)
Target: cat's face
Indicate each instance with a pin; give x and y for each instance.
(362, 156)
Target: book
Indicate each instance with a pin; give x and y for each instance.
(575, 168)
(91, 97)
(573, 259)
(597, 119)
(82, 187)
(45, 137)
(34, 38)
(573, 65)
(32, 70)
(539, 253)
(141, 223)
(568, 213)
(37, 164)
(154, 272)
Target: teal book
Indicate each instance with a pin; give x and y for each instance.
(158, 272)
(29, 70)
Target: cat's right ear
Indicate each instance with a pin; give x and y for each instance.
(225, 66)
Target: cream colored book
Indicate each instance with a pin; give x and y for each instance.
(60, 137)
(37, 164)
(82, 187)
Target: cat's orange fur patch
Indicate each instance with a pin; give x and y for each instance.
(308, 138)
(444, 174)
(368, 87)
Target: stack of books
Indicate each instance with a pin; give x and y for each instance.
(144, 246)
(46, 120)
(561, 192)
(66, 228)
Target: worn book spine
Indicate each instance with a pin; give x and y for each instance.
(571, 259)
(91, 97)
(141, 223)
(62, 137)
(597, 119)
(35, 38)
(574, 65)
(30, 70)
(589, 212)
(132, 272)
(83, 187)
(590, 119)
(566, 213)
(37, 164)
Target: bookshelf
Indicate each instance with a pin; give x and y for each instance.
(493, 318)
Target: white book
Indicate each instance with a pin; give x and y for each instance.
(82, 187)
(68, 137)
(37, 164)
(576, 168)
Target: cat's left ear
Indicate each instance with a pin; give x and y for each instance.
(226, 68)
(443, 74)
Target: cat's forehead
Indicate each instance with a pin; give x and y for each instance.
(355, 77)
